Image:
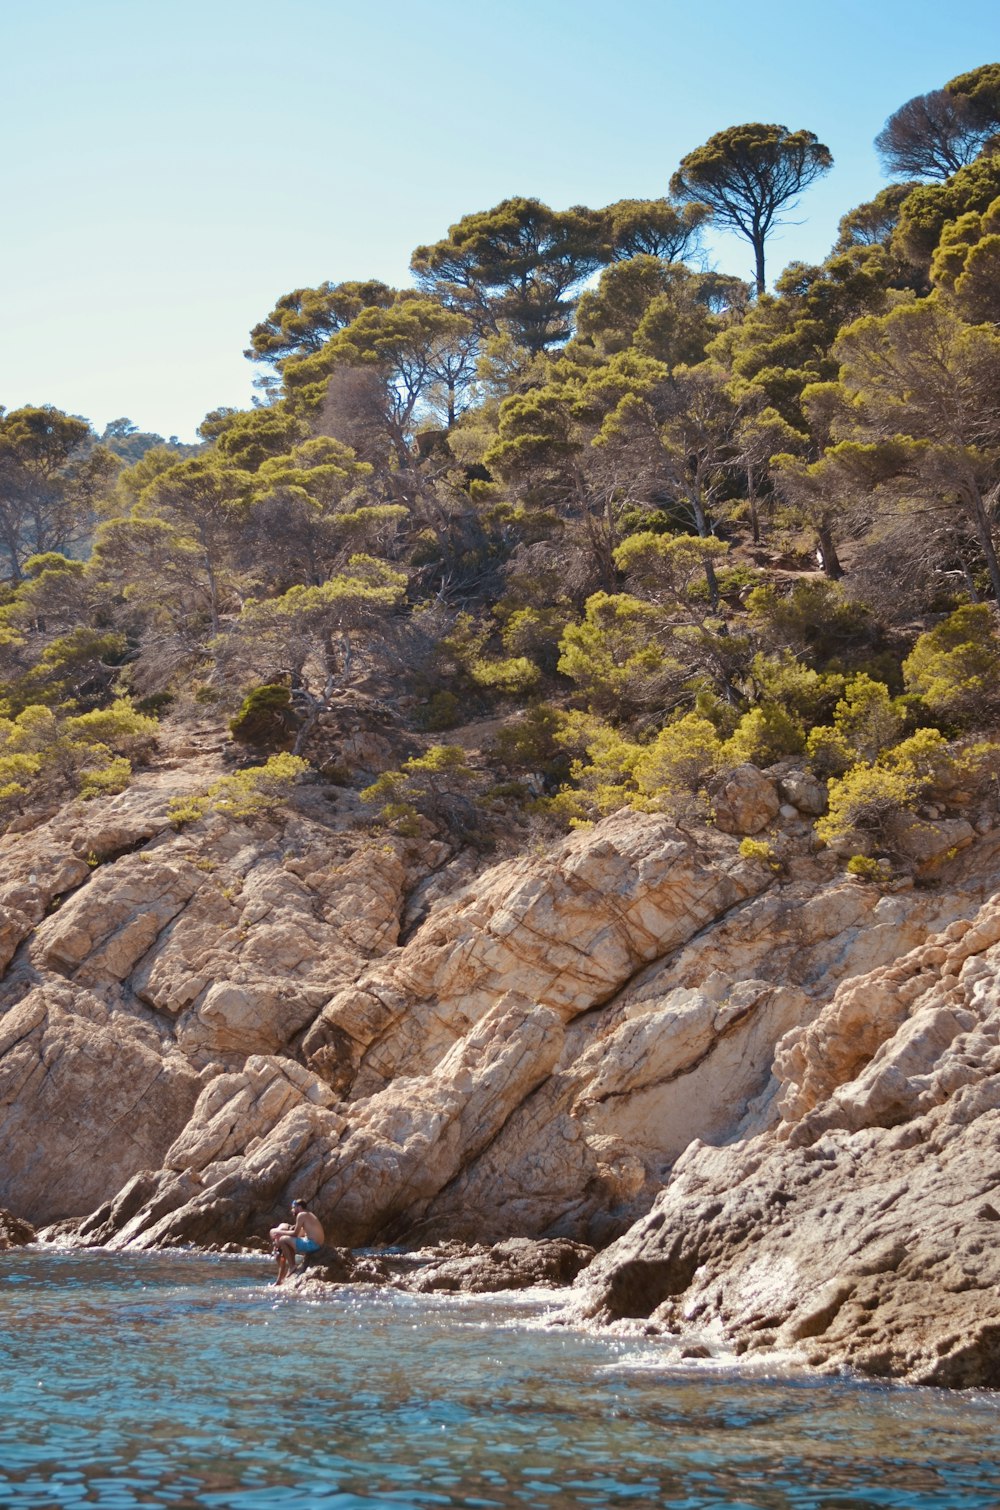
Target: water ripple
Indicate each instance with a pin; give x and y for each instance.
(154, 1380)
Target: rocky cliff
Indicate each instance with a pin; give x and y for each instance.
(862, 1228)
(771, 1094)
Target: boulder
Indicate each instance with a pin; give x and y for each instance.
(745, 801)
(516, 1264)
(928, 844)
(88, 1096)
(15, 1233)
(805, 792)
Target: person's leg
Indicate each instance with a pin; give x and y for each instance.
(285, 1249)
(276, 1235)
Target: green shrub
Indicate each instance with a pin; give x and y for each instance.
(760, 851)
(439, 787)
(867, 717)
(46, 756)
(266, 719)
(805, 693)
(866, 868)
(679, 761)
(121, 727)
(828, 752)
(865, 803)
(955, 667)
(764, 735)
(511, 675)
(252, 793)
(815, 620)
(534, 743)
(441, 711)
(613, 654)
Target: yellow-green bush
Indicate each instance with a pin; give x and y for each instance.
(251, 793)
(866, 868)
(613, 654)
(611, 771)
(439, 786)
(679, 761)
(265, 718)
(511, 674)
(46, 756)
(806, 694)
(764, 735)
(760, 851)
(443, 710)
(955, 667)
(865, 803)
(866, 721)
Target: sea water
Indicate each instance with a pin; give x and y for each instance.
(188, 1381)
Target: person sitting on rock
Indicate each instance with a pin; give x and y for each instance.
(303, 1235)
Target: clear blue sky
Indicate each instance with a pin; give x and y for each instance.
(170, 167)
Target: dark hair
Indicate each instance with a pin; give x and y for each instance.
(297, 1202)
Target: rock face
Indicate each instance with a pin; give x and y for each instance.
(458, 1051)
(639, 1029)
(862, 1229)
(144, 964)
(746, 801)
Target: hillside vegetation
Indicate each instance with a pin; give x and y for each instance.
(639, 522)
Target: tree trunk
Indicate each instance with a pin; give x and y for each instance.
(828, 551)
(984, 535)
(752, 505)
(758, 248)
(701, 525)
(213, 595)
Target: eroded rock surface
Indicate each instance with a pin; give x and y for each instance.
(862, 1229)
(775, 1083)
(14, 1233)
(143, 963)
(519, 1263)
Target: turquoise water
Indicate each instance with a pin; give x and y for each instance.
(176, 1380)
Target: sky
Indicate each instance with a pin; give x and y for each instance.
(171, 167)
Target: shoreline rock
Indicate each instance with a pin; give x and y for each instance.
(640, 1042)
(861, 1231)
(15, 1233)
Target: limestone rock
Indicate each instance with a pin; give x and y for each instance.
(107, 926)
(745, 801)
(804, 792)
(274, 1128)
(859, 1231)
(339, 1266)
(516, 1264)
(566, 932)
(88, 1095)
(926, 844)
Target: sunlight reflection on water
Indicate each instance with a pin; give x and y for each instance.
(178, 1380)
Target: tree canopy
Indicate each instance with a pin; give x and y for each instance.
(643, 518)
(748, 175)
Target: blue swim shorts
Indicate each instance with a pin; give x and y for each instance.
(306, 1245)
